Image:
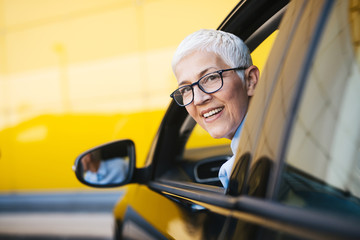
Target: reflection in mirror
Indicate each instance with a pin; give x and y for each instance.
(105, 165)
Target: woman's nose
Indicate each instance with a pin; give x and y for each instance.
(200, 97)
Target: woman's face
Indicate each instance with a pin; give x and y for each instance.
(219, 113)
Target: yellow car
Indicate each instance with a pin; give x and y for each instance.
(297, 170)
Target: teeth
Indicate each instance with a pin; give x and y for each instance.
(212, 112)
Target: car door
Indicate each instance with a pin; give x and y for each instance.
(180, 196)
(302, 131)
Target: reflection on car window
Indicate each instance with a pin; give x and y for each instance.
(323, 160)
(354, 19)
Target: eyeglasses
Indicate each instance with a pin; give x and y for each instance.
(209, 83)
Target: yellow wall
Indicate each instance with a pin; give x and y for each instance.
(78, 73)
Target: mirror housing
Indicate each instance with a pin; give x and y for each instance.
(108, 165)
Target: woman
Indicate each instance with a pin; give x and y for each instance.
(216, 79)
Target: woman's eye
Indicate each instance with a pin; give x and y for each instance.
(185, 90)
(211, 77)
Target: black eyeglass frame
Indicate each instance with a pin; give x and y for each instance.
(220, 72)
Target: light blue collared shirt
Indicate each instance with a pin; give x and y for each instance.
(225, 170)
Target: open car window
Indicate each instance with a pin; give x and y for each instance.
(203, 155)
(187, 155)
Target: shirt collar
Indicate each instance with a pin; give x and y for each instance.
(236, 139)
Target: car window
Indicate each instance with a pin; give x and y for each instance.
(322, 168)
(208, 154)
(199, 137)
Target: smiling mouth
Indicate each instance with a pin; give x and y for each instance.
(212, 112)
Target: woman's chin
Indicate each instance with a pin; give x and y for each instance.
(217, 134)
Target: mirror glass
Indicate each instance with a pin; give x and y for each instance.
(106, 165)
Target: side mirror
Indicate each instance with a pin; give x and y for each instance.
(108, 165)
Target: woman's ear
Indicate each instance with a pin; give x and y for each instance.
(251, 78)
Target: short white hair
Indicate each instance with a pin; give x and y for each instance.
(228, 46)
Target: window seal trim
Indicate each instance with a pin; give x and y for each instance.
(270, 214)
(198, 192)
(265, 30)
(307, 222)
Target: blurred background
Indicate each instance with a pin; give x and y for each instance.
(75, 74)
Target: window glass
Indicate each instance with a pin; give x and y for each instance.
(323, 158)
(354, 20)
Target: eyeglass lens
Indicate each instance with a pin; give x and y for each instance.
(209, 83)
